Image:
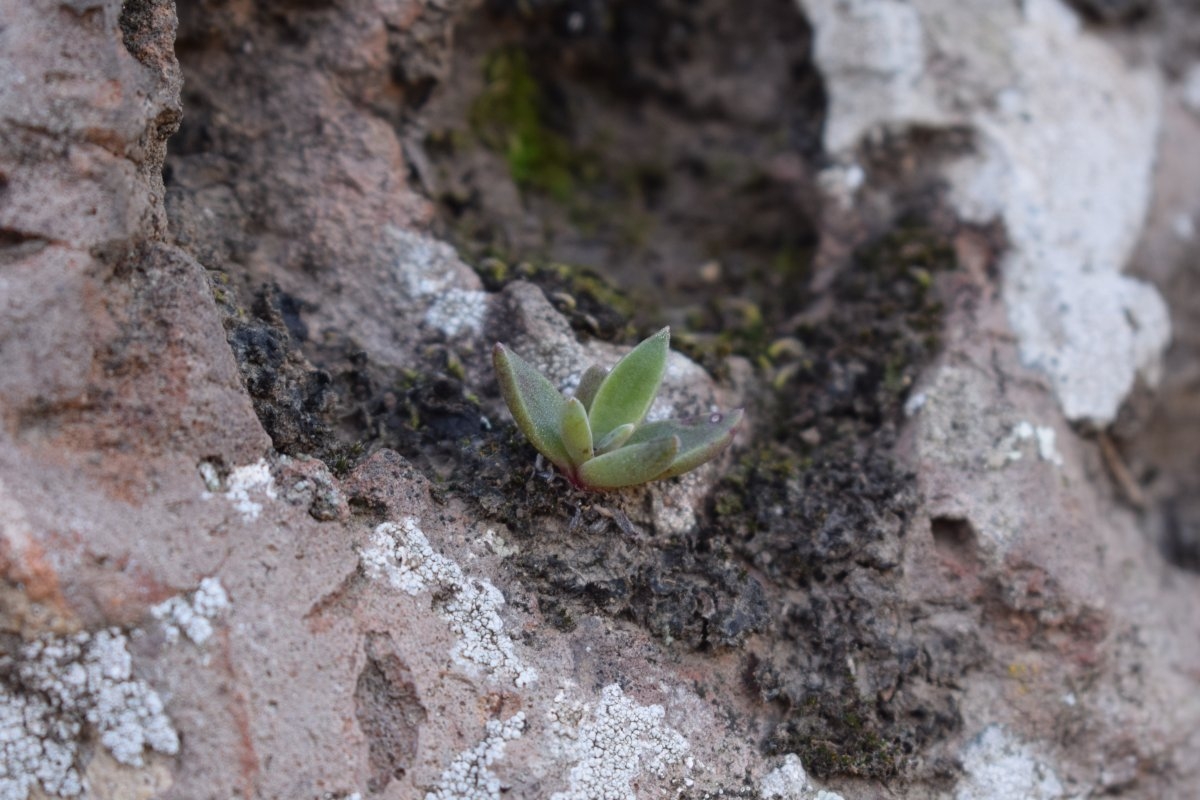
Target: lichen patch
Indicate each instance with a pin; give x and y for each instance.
(246, 487)
(54, 690)
(192, 616)
(402, 554)
(433, 276)
(789, 781)
(999, 768)
(468, 776)
(613, 744)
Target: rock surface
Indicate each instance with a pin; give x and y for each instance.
(1065, 163)
(265, 527)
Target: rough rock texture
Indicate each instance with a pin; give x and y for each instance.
(1065, 164)
(267, 531)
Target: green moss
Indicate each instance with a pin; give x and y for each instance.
(589, 302)
(518, 117)
(895, 377)
(344, 457)
(792, 261)
(907, 258)
(510, 117)
(494, 272)
(767, 467)
(823, 455)
(454, 367)
(728, 503)
(835, 738)
(742, 329)
(223, 293)
(558, 614)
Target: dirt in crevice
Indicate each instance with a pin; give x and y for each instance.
(332, 401)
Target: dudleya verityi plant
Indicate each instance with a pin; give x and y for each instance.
(598, 438)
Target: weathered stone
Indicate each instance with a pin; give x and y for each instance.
(265, 526)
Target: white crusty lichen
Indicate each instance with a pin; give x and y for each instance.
(789, 781)
(433, 276)
(36, 748)
(468, 777)
(244, 483)
(1011, 448)
(192, 616)
(471, 606)
(456, 311)
(612, 744)
(210, 476)
(53, 690)
(245, 487)
(999, 768)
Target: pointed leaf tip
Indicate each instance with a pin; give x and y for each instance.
(617, 437)
(627, 392)
(536, 406)
(702, 438)
(629, 465)
(576, 433)
(589, 382)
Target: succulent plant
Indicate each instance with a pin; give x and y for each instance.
(598, 437)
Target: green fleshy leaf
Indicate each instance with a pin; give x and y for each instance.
(536, 406)
(625, 394)
(618, 437)
(701, 438)
(592, 377)
(576, 432)
(629, 465)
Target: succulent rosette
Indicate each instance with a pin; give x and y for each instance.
(599, 437)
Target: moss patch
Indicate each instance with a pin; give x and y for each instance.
(820, 507)
(590, 303)
(803, 537)
(512, 117)
(351, 406)
(633, 140)
(835, 735)
(291, 397)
